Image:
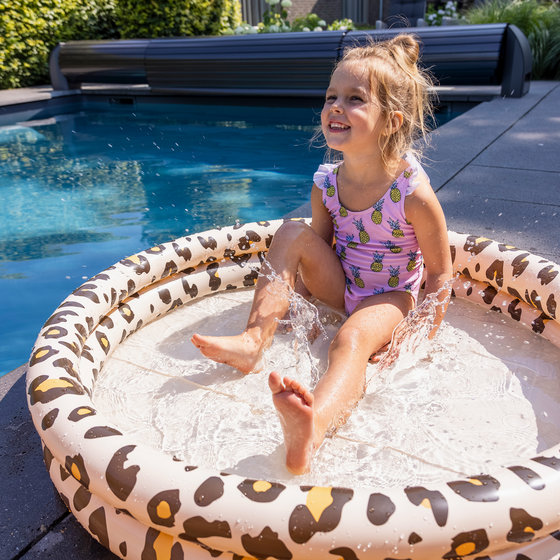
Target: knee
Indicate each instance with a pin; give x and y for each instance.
(349, 337)
(290, 232)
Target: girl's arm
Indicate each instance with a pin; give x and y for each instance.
(423, 210)
(321, 222)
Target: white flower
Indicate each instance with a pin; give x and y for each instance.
(272, 2)
(273, 28)
(431, 17)
(239, 30)
(318, 29)
(286, 3)
(322, 23)
(450, 4)
(306, 29)
(441, 12)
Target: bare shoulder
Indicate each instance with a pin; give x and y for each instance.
(422, 203)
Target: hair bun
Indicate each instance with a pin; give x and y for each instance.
(405, 48)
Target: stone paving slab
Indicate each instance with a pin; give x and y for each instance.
(516, 185)
(460, 141)
(532, 143)
(68, 540)
(29, 504)
(31, 94)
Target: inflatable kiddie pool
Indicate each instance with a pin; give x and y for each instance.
(143, 504)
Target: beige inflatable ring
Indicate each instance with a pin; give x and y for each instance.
(142, 504)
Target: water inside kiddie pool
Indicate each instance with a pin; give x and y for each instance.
(484, 394)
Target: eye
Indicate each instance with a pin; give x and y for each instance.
(330, 97)
(356, 98)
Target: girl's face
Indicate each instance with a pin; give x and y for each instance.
(351, 118)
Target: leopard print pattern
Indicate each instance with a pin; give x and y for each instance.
(142, 504)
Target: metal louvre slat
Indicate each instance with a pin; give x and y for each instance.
(244, 75)
(243, 51)
(476, 48)
(273, 55)
(460, 57)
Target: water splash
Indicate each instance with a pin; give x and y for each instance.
(413, 329)
(303, 321)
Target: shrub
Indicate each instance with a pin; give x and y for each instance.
(435, 16)
(342, 24)
(310, 22)
(539, 21)
(275, 18)
(176, 18)
(30, 29)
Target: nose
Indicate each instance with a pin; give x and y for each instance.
(336, 106)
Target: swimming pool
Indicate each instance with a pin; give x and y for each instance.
(80, 191)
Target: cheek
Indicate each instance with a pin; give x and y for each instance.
(324, 118)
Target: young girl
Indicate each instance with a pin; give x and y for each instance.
(386, 221)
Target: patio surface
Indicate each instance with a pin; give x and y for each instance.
(496, 172)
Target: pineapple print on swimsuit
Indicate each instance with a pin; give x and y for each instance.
(380, 251)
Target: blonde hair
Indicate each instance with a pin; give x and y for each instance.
(398, 84)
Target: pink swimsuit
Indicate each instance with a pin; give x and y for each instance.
(377, 247)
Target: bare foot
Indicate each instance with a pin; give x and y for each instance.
(294, 404)
(240, 352)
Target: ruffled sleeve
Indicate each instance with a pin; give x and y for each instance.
(322, 172)
(417, 172)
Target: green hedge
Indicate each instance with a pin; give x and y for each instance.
(175, 18)
(30, 29)
(539, 21)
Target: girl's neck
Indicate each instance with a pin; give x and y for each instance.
(366, 172)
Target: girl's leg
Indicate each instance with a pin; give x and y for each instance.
(305, 417)
(295, 247)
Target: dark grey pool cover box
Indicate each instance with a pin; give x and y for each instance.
(296, 64)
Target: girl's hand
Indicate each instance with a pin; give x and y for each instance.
(378, 356)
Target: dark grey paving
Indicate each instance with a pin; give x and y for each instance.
(533, 227)
(533, 142)
(29, 504)
(68, 540)
(460, 141)
(517, 185)
(304, 211)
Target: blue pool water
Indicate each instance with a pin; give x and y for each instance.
(79, 192)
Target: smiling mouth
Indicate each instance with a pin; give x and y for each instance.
(338, 126)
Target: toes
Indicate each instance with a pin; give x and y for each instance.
(196, 339)
(300, 390)
(275, 383)
(292, 384)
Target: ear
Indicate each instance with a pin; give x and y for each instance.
(395, 123)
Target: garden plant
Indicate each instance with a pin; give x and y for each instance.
(539, 21)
